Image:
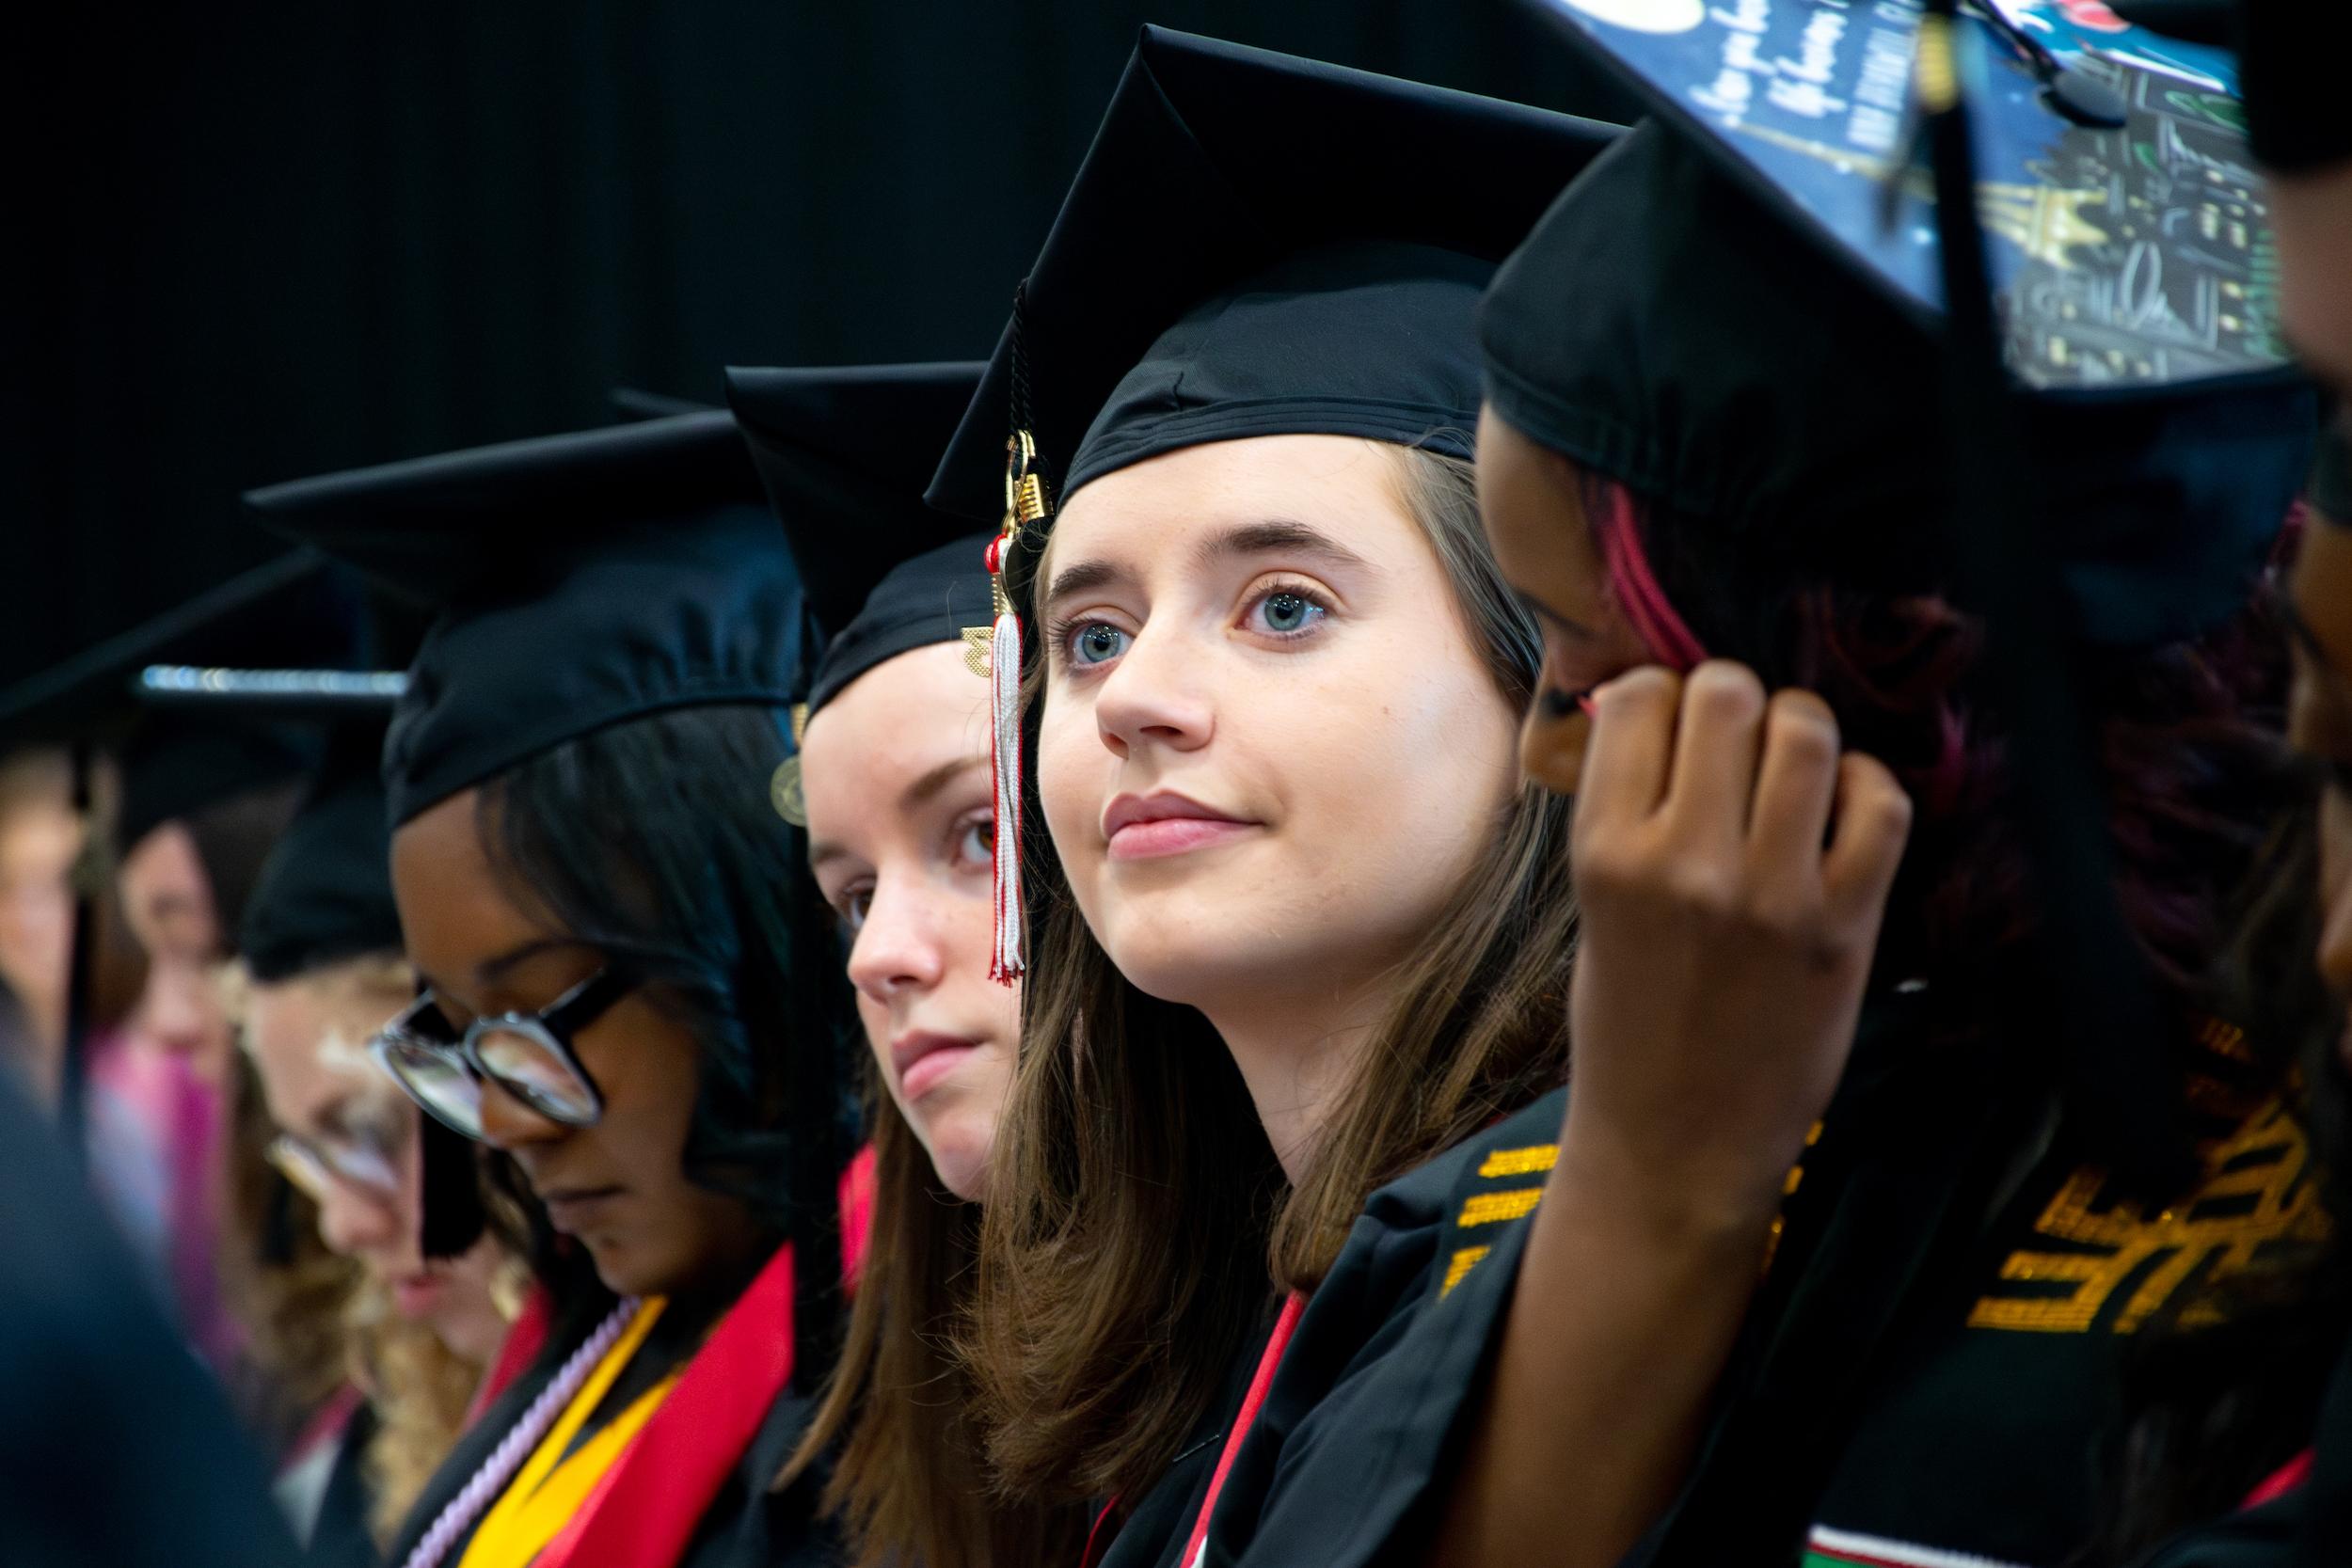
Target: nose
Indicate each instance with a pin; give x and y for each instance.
(896, 951)
(508, 1124)
(170, 1009)
(1154, 696)
(354, 1225)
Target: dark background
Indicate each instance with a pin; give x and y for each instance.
(262, 241)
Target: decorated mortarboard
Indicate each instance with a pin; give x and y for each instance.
(1255, 244)
(573, 583)
(1738, 312)
(846, 454)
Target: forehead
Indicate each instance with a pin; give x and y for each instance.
(454, 910)
(889, 728)
(1149, 513)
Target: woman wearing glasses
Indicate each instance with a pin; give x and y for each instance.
(388, 1366)
(598, 900)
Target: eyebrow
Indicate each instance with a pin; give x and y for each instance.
(1269, 536)
(825, 851)
(491, 970)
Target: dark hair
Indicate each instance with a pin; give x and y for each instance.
(898, 1419)
(654, 842)
(1138, 1215)
(2185, 736)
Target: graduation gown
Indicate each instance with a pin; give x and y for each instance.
(1152, 1532)
(1927, 1377)
(2310, 1527)
(745, 1525)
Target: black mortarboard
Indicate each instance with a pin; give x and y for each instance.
(580, 581)
(295, 611)
(846, 454)
(1728, 315)
(326, 893)
(1257, 244)
(291, 609)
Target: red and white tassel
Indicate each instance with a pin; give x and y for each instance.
(1004, 676)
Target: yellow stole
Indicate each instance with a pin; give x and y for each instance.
(550, 1487)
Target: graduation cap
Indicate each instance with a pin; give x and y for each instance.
(1756, 332)
(1260, 244)
(293, 610)
(1255, 244)
(575, 582)
(845, 454)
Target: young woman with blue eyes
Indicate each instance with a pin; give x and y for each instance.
(1294, 923)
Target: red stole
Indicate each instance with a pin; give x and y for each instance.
(647, 1507)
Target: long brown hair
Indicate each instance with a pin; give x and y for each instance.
(909, 1483)
(1138, 1207)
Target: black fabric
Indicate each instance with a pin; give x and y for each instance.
(340, 1536)
(1668, 329)
(580, 581)
(2291, 67)
(1357, 1430)
(1153, 1531)
(1368, 338)
(845, 454)
(748, 1525)
(935, 597)
(114, 1448)
(326, 892)
(1214, 163)
(1869, 1375)
(175, 766)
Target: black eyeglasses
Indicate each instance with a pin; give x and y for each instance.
(527, 1055)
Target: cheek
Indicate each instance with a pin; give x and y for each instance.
(1073, 768)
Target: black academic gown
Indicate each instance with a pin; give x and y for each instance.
(1152, 1532)
(115, 1447)
(1933, 1367)
(747, 1525)
(2309, 1527)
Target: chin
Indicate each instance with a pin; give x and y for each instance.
(959, 1145)
(627, 1272)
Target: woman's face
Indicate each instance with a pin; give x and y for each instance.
(896, 771)
(2320, 724)
(2312, 217)
(308, 1039)
(167, 903)
(1527, 497)
(1270, 751)
(618, 1187)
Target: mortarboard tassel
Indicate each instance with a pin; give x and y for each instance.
(1024, 503)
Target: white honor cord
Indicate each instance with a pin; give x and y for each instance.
(487, 1482)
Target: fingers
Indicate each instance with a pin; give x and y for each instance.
(1796, 784)
(1715, 753)
(1866, 847)
(1632, 746)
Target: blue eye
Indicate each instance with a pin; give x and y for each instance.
(1286, 613)
(1097, 643)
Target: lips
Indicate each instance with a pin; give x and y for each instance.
(572, 1210)
(923, 1059)
(418, 1295)
(1146, 826)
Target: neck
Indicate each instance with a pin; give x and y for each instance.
(1297, 1054)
